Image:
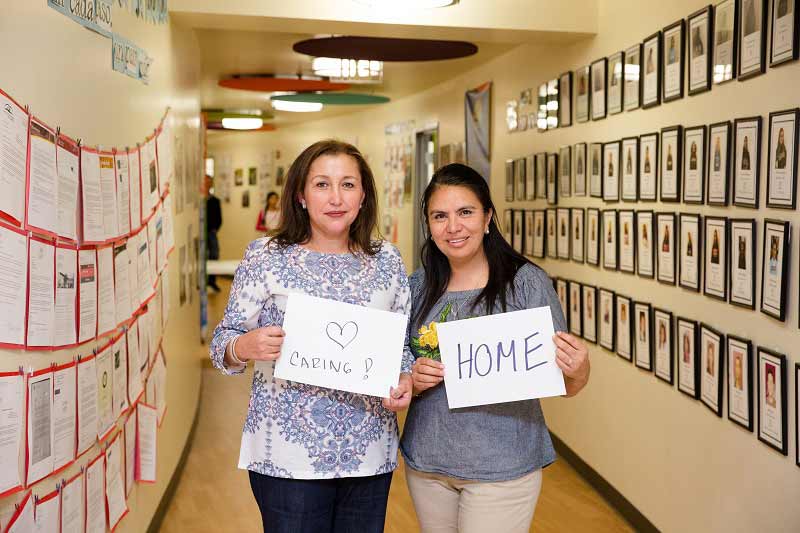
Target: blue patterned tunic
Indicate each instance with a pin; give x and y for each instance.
(302, 431)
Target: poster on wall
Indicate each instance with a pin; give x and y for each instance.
(477, 120)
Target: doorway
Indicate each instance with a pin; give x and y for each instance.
(426, 160)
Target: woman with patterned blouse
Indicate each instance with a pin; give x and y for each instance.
(319, 460)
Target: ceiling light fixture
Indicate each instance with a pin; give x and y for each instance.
(296, 107)
(348, 70)
(241, 123)
(413, 4)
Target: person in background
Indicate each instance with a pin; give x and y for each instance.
(270, 217)
(213, 223)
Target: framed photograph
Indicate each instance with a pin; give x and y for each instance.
(694, 171)
(552, 104)
(593, 236)
(611, 171)
(715, 237)
(530, 178)
(671, 163)
(610, 245)
(540, 164)
(687, 357)
(509, 180)
(643, 334)
(742, 264)
(775, 262)
(690, 247)
(608, 319)
(726, 30)
(589, 313)
(719, 169)
(651, 82)
(711, 361)
(648, 167)
(538, 233)
(528, 239)
(782, 160)
(562, 290)
(582, 78)
(565, 100)
(541, 108)
(552, 179)
(596, 174)
(624, 327)
(508, 221)
(747, 161)
(575, 309)
(519, 179)
(700, 50)
(666, 247)
(645, 251)
(740, 381)
(674, 55)
(772, 417)
(785, 28)
(579, 156)
(616, 85)
(552, 249)
(664, 360)
(599, 85)
(519, 230)
(797, 413)
(630, 169)
(627, 244)
(577, 233)
(565, 172)
(752, 38)
(563, 233)
(632, 89)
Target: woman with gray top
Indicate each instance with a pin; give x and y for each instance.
(476, 468)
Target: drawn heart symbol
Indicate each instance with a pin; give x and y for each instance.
(342, 335)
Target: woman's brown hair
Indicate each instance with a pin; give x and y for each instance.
(295, 226)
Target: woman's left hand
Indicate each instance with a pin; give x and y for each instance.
(572, 356)
(399, 397)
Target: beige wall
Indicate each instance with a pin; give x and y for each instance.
(63, 72)
(679, 464)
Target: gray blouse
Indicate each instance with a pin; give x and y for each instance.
(497, 442)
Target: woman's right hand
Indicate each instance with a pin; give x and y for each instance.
(261, 344)
(426, 373)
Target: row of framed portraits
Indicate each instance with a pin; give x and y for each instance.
(712, 46)
(714, 254)
(696, 356)
(697, 165)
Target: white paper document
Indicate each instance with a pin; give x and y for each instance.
(64, 414)
(150, 192)
(40, 426)
(92, 197)
(87, 403)
(130, 452)
(41, 293)
(144, 270)
(72, 507)
(500, 358)
(95, 496)
(122, 285)
(146, 443)
(67, 167)
(47, 515)
(341, 346)
(65, 332)
(169, 236)
(13, 285)
(105, 392)
(123, 193)
(108, 189)
(135, 181)
(11, 419)
(87, 294)
(115, 485)
(13, 154)
(42, 178)
(120, 364)
(23, 521)
(106, 308)
(134, 372)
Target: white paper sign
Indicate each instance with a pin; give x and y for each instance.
(500, 358)
(341, 346)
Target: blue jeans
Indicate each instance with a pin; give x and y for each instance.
(344, 505)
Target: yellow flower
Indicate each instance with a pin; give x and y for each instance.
(428, 337)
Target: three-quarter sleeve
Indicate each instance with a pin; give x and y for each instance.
(248, 295)
(401, 302)
(539, 292)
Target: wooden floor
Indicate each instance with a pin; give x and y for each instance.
(214, 496)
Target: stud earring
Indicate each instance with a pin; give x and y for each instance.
(303, 203)
(487, 231)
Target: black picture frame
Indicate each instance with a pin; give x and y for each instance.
(518, 228)
(596, 170)
(583, 79)
(590, 319)
(797, 413)
(580, 167)
(550, 241)
(611, 171)
(694, 164)
(664, 346)
(565, 100)
(711, 368)
(528, 240)
(562, 291)
(540, 170)
(700, 29)
(726, 40)
(632, 90)
(752, 64)
(719, 164)
(649, 165)
(776, 233)
(778, 362)
(645, 249)
(519, 180)
(624, 327)
(691, 259)
(651, 79)
(552, 178)
(666, 244)
(594, 224)
(508, 222)
(608, 319)
(687, 358)
(671, 165)
(673, 61)
(782, 22)
(777, 167)
(629, 169)
(643, 335)
(575, 308)
(626, 223)
(577, 234)
(509, 180)
(610, 237)
(742, 246)
(716, 257)
(746, 175)
(615, 76)
(599, 89)
(740, 388)
(565, 171)
(539, 233)
(563, 236)
(530, 178)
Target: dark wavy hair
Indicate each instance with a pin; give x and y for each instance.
(295, 226)
(504, 261)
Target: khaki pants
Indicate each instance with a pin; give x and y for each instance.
(449, 505)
